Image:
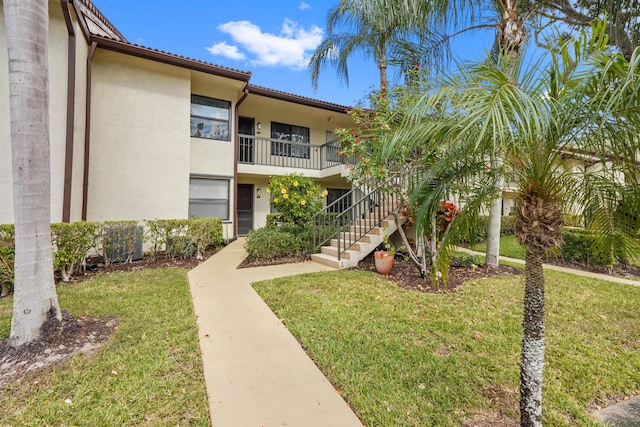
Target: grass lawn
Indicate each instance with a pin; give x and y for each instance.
(509, 247)
(148, 373)
(402, 358)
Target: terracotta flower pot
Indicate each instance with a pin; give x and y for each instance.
(384, 262)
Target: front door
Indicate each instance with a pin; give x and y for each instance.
(245, 209)
(245, 150)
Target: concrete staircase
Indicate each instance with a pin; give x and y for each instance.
(358, 247)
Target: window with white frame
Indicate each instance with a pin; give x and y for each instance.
(210, 118)
(208, 198)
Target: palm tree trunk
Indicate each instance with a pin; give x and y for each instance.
(35, 300)
(494, 226)
(382, 66)
(493, 234)
(532, 361)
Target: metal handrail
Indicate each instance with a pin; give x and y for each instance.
(371, 209)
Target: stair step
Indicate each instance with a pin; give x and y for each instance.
(355, 246)
(333, 261)
(333, 251)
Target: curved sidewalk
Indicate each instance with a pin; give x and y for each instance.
(256, 373)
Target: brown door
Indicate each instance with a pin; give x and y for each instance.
(245, 209)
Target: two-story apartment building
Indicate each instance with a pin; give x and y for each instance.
(136, 133)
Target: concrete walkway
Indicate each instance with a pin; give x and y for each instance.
(256, 373)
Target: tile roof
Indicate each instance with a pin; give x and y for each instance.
(96, 12)
(302, 100)
(121, 44)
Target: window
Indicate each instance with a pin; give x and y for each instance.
(209, 198)
(210, 118)
(296, 138)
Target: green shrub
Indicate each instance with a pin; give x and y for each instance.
(580, 246)
(507, 225)
(183, 237)
(7, 252)
(296, 197)
(204, 233)
(169, 235)
(465, 260)
(303, 233)
(71, 243)
(274, 220)
(271, 243)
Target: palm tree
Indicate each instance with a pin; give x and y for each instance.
(583, 107)
(35, 301)
(377, 29)
(383, 29)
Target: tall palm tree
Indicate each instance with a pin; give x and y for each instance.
(583, 106)
(384, 29)
(35, 301)
(381, 30)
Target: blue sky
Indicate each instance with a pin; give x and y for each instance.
(271, 38)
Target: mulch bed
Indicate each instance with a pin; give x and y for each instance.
(63, 340)
(406, 274)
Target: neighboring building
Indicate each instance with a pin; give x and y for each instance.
(138, 133)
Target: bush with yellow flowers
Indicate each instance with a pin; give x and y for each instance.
(296, 197)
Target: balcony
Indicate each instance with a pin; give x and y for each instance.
(280, 153)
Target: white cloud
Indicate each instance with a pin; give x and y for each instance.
(292, 47)
(303, 6)
(223, 49)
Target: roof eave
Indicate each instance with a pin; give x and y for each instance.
(301, 100)
(154, 55)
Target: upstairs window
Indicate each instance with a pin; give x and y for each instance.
(294, 140)
(210, 118)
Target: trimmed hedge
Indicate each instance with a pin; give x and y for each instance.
(71, 243)
(580, 246)
(270, 243)
(205, 233)
(116, 241)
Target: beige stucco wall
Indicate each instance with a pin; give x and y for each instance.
(57, 115)
(140, 148)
